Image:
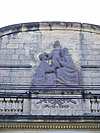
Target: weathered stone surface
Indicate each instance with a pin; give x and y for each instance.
(21, 44)
(24, 47)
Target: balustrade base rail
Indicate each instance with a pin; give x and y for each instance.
(48, 118)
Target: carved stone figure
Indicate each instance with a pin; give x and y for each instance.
(61, 70)
(67, 73)
(45, 73)
(55, 55)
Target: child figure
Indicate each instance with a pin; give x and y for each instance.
(55, 55)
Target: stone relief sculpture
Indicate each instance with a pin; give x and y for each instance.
(56, 67)
(45, 73)
(56, 103)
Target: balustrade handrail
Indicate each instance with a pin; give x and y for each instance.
(24, 87)
(12, 90)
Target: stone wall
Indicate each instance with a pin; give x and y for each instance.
(21, 44)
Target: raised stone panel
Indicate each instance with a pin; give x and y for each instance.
(56, 106)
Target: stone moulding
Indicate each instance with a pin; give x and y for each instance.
(39, 125)
(37, 26)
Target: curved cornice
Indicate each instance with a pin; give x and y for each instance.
(38, 26)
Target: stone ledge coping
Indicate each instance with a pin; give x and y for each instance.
(38, 26)
(50, 118)
(30, 66)
(15, 66)
(90, 66)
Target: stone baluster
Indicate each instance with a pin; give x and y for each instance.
(20, 105)
(16, 105)
(93, 105)
(4, 105)
(1, 104)
(98, 105)
(13, 108)
(7, 107)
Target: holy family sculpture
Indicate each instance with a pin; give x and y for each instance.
(56, 68)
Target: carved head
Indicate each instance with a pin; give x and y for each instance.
(57, 44)
(42, 57)
(64, 52)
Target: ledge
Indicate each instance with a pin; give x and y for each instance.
(48, 118)
(90, 66)
(38, 26)
(15, 66)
